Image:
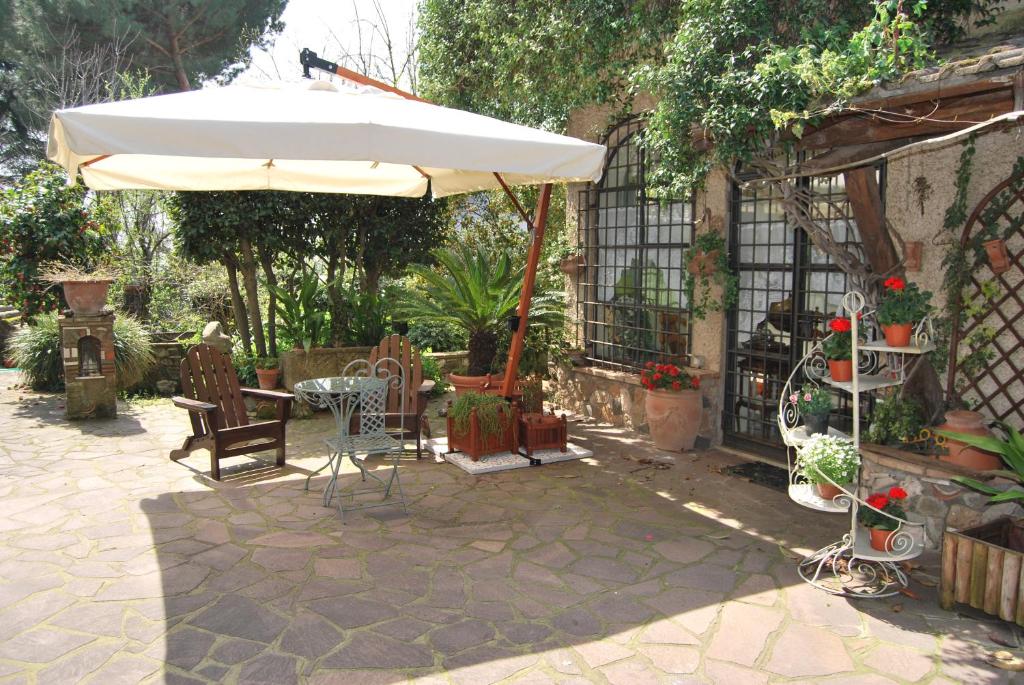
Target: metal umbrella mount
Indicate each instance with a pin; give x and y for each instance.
(367, 138)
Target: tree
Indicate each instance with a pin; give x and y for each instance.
(43, 219)
(63, 53)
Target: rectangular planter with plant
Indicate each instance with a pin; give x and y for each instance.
(480, 424)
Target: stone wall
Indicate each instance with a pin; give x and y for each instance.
(164, 376)
(319, 362)
(932, 496)
(450, 361)
(618, 398)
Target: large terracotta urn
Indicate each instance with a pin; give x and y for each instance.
(86, 298)
(971, 423)
(673, 417)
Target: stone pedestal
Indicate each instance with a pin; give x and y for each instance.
(87, 347)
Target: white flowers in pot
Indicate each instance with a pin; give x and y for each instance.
(826, 460)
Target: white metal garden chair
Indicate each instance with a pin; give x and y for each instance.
(362, 433)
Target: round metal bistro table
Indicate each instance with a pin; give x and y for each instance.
(342, 395)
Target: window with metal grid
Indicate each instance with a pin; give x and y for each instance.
(788, 291)
(630, 303)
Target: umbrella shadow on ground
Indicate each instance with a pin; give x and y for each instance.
(567, 567)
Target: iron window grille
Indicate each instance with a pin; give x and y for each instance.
(788, 291)
(630, 303)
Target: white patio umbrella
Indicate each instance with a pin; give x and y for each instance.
(316, 137)
(319, 137)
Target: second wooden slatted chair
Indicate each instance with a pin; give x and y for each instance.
(417, 391)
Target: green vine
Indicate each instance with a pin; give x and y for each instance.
(490, 413)
(963, 259)
(711, 257)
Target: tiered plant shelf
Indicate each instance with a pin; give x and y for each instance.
(851, 567)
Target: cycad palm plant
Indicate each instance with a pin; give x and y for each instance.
(477, 293)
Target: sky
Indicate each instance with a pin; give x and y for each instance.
(331, 28)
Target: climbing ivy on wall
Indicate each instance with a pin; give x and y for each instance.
(742, 71)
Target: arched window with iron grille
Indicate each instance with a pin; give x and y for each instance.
(630, 302)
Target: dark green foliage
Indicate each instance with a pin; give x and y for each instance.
(43, 219)
(245, 369)
(896, 420)
(477, 292)
(366, 315)
(697, 289)
(300, 312)
(437, 336)
(432, 372)
(36, 351)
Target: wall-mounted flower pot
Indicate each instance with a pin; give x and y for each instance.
(912, 255)
(897, 334)
(703, 263)
(998, 256)
(570, 266)
(86, 298)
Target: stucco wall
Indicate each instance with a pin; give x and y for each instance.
(918, 215)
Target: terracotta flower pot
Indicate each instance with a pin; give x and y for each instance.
(267, 378)
(828, 491)
(971, 423)
(881, 540)
(491, 383)
(674, 418)
(998, 257)
(897, 334)
(86, 298)
(703, 263)
(840, 369)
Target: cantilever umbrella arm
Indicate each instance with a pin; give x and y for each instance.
(309, 59)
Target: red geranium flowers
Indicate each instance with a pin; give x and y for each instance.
(890, 503)
(667, 377)
(893, 283)
(840, 324)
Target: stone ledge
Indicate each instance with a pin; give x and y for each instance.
(927, 466)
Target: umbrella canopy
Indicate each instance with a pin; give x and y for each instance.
(315, 137)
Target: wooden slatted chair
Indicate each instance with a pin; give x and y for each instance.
(417, 391)
(214, 400)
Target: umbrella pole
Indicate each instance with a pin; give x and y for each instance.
(515, 350)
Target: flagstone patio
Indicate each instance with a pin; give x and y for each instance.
(631, 567)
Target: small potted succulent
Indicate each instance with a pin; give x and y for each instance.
(828, 461)
(902, 305)
(673, 405)
(873, 517)
(838, 349)
(267, 372)
(814, 404)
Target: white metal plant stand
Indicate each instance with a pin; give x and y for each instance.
(851, 567)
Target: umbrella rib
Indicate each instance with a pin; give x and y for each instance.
(423, 173)
(515, 200)
(93, 161)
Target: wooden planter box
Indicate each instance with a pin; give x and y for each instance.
(979, 568)
(540, 431)
(472, 443)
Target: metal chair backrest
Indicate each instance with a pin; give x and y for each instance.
(209, 376)
(398, 348)
(385, 377)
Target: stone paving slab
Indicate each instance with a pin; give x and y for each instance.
(630, 566)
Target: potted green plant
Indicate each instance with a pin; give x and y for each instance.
(480, 424)
(882, 517)
(814, 404)
(477, 292)
(672, 404)
(1009, 449)
(85, 290)
(707, 261)
(827, 462)
(896, 420)
(901, 306)
(267, 372)
(838, 349)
